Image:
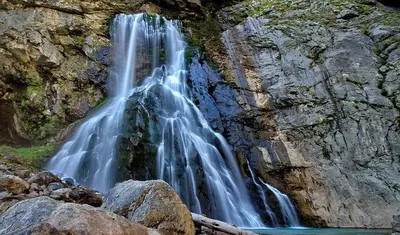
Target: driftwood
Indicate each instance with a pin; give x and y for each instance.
(218, 227)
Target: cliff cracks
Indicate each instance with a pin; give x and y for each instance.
(307, 91)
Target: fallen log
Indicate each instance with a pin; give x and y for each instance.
(217, 227)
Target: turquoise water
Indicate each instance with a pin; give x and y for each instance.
(319, 231)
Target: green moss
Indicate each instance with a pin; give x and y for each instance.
(34, 90)
(205, 37)
(49, 126)
(32, 156)
(102, 102)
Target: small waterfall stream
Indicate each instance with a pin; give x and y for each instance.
(268, 210)
(287, 208)
(149, 73)
(89, 156)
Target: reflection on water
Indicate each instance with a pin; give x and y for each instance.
(319, 231)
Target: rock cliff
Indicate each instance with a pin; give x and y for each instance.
(317, 103)
(308, 90)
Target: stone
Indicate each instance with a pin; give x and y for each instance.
(151, 203)
(23, 174)
(43, 215)
(13, 184)
(78, 195)
(54, 186)
(22, 217)
(44, 178)
(34, 187)
(61, 194)
(347, 14)
(82, 219)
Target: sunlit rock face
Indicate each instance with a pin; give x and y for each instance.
(331, 79)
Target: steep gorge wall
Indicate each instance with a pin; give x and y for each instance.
(317, 87)
(308, 90)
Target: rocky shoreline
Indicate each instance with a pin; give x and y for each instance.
(37, 202)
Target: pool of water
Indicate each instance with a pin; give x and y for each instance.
(319, 231)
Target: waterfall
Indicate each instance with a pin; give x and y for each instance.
(150, 71)
(89, 156)
(287, 208)
(271, 214)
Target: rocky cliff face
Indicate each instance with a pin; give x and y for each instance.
(317, 103)
(308, 90)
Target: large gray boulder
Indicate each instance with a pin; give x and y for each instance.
(44, 215)
(151, 203)
(24, 216)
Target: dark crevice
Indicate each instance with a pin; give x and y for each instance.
(390, 3)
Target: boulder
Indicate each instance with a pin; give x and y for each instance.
(44, 215)
(22, 217)
(13, 184)
(71, 218)
(54, 186)
(151, 203)
(44, 178)
(78, 195)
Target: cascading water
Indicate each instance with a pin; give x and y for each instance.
(271, 214)
(150, 81)
(89, 156)
(287, 208)
(191, 157)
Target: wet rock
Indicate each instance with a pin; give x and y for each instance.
(44, 215)
(54, 186)
(151, 203)
(13, 184)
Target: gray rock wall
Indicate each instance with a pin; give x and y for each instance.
(320, 80)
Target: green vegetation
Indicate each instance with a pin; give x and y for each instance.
(32, 156)
(102, 102)
(204, 37)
